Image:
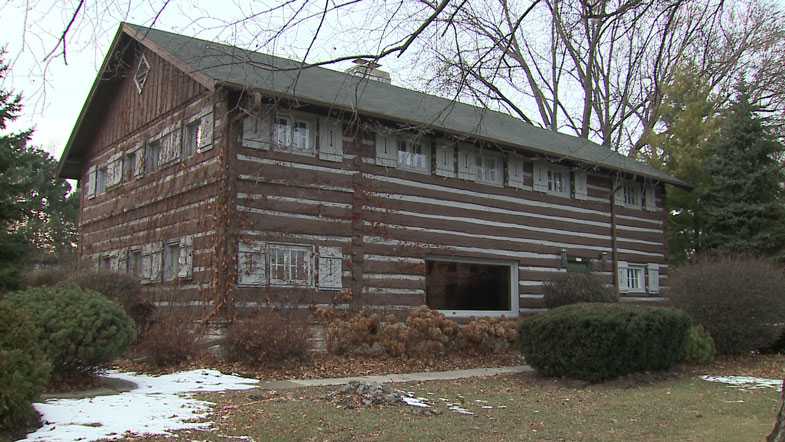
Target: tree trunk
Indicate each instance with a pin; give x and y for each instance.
(778, 434)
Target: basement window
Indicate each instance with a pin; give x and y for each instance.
(471, 287)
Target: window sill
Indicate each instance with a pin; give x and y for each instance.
(479, 313)
(414, 170)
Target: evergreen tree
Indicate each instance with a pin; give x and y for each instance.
(743, 200)
(37, 211)
(688, 121)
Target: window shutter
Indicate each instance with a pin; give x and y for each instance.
(651, 196)
(330, 139)
(147, 263)
(467, 168)
(653, 271)
(185, 262)
(176, 142)
(540, 176)
(618, 185)
(386, 150)
(156, 261)
(206, 132)
(581, 189)
(258, 130)
(92, 179)
(330, 268)
(139, 161)
(445, 159)
(515, 171)
(621, 269)
(250, 264)
(122, 260)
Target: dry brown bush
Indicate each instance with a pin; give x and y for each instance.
(174, 338)
(266, 338)
(739, 300)
(489, 335)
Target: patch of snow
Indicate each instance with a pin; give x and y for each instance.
(746, 382)
(415, 402)
(460, 410)
(158, 405)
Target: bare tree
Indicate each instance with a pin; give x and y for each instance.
(595, 68)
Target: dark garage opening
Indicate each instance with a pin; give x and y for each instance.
(467, 286)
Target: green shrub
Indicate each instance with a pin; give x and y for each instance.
(267, 338)
(699, 347)
(595, 342)
(740, 301)
(123, 288)
(24, 369)
(574, 288)
(82, 330)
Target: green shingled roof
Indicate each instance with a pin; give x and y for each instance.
(228, 65)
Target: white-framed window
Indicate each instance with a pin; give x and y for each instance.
(301, 136)
(490, 168)
(171, 260)
(142, 71)
(635, 278)
(152, 155)
(294, 134)
(129, 162)
(551, 178)
(631, 192)
(413, 155)
(134, 262)
(282, 130)
(558, 181)
(445, 159)
(638, 278)
(191, 137)
(101, 179)
(290, 265)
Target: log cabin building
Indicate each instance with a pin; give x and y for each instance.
(229, 178)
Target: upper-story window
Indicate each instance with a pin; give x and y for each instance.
(629, 193)
(191, 133)
(557, 181)
(490, 168)
(294, 134)
(152, 156)
(101, 179)
(552, 178)
(413, 155)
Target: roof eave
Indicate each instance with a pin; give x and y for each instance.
(668, 180)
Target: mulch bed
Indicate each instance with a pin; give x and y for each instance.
(331, 366)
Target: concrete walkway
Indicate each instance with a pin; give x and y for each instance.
(397, 378)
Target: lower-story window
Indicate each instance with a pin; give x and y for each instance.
(471, 287)
(638, 278)
(171, 260)
(290, 265)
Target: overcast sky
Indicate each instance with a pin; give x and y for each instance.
(54, 93)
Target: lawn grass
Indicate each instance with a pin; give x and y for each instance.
(682, 408)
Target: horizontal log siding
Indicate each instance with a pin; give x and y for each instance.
(387, 221)
(177, 200)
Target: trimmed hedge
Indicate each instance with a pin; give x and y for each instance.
(82, 329)
(24, 369)
(595, 342)
(574, 288)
